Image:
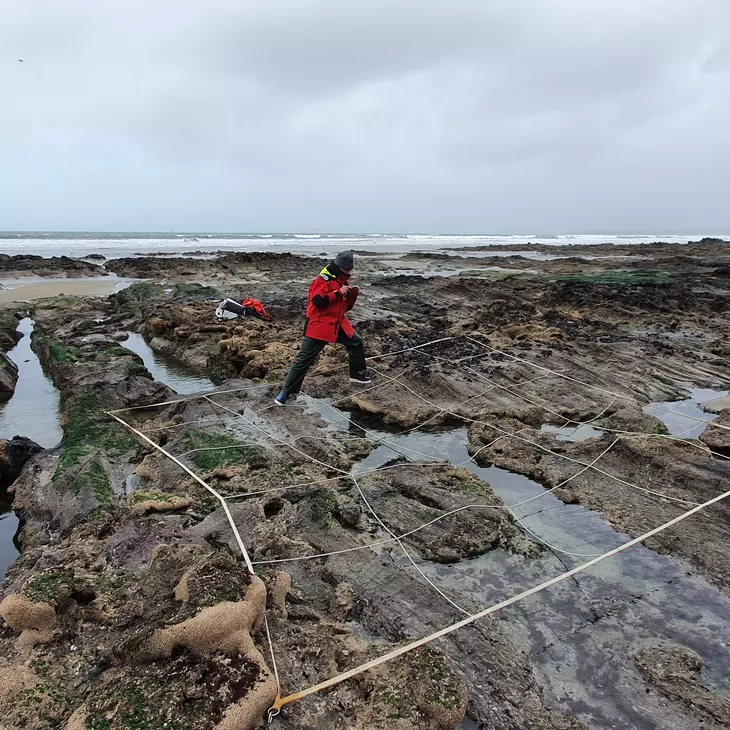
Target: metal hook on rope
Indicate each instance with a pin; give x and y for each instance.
(273, 712)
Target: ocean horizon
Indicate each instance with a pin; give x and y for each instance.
(78, 244)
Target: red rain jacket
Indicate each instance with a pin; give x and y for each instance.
(326, 307)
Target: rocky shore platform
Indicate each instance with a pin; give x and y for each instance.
(556, 413)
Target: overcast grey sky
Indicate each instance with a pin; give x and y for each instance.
(482, 116)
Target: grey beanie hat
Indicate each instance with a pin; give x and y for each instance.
(345, 260)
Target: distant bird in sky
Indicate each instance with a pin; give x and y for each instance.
(20, 60)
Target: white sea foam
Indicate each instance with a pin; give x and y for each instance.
(116, 245)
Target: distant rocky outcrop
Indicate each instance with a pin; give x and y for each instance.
(709, 241)
(151, 266)
(27, 265)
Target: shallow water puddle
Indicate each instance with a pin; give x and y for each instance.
(581, 634)
(9, 524)
(107, 283)
(360, 632)
(255, 428)
(680, 417)
(571, 433)
(434, 273)
(29, 288)
(336, 421)
(185, 381)
(178, 376)
(534, 255)
(578, 528)
(32, 411)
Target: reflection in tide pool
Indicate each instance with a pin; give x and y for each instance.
(8, 528)
(582, 634)
(32, 411)
(572, 432)
(682, 417)
(181, 378)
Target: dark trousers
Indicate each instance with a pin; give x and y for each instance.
(310, 349)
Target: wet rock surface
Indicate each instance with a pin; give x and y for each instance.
(412, 496)
(130, 590)
(14, 453)
(675, 672)
(718, 438)
(9, 337)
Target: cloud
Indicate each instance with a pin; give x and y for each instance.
(475, 115)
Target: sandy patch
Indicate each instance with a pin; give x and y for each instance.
(15, 290)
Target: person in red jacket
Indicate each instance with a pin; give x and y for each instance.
(330, 298)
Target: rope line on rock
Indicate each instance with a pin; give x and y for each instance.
(521, 522)
(384, 440)
(509, 388)
(472, 458)
(274, 438)
(394, 537)
(372, 511)
(281, 701)
(403, 548)
(332, 681)
(228, 514)
(218, 419)
(506, 433)
(470, 338)
(186, 398)
(389, 444)
(596, 387)
(547, 450)
(316, 482)
(671, 437)
(264, 385)
(456, 362)
(508, 507)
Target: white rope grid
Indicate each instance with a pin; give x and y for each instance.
(398, 538)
